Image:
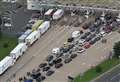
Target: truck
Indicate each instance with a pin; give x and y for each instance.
(48, 14)
(5, 64)
(36, 25)
(32, 38)
(21, 39)
(44, 27)
(58, 14)
(18, 51)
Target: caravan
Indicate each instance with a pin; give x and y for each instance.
(18, 51)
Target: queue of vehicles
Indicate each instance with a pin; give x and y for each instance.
(32, 34)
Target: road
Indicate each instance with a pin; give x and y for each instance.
(112, 76)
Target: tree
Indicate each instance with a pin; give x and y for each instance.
(116, 49)
(5, 45)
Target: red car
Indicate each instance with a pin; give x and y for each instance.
(87, 45)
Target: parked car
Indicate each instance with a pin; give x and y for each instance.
(73, 56)
(67, 60)
(87, 45)
(70, 39)
(42, 65)
(58, 65)
(50, 72)
(58, 60)
(81, 50)
(46, 68)
(49, 58)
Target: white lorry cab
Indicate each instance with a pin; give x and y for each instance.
(35, 35)
(5, 64)
(58, 14)
(18, 51)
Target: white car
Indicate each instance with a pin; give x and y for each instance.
(75, 34)
(56, 50)
(102, 33)
(81, 50)
(7, 25)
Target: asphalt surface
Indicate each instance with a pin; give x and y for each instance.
(19, 16)
(112, 76)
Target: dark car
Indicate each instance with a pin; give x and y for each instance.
(70, 39)
(97, 38)
(59, 54)
(58, 60)
(73, 56)
(90, 37)
(67, 60)
(46, 68)
(51, 63)
(41, 78)
(92, 42)
(85, 35)
(35, 75)
(58, 65)
(49, 58)
(49, 73)
(42, 65)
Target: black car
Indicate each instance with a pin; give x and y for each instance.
(46, 68)
(58, 65)
(73, 56)
(51, 63)
(59, 54)
(41, 78)
(67, 60)
(97, 38)
(70, 39)
(92, 42)
(42, 65)
(49, 58)
(49, 73)
(58, 60)
(35, 75)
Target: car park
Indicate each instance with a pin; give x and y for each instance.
(49, 73)
(58, 65)
(67, 60)
(42, 65)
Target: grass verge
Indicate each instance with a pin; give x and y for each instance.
(6, 45)
(92, 73)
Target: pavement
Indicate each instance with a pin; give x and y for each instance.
(111, 76)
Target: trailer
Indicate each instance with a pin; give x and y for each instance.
(36, 25)
(21, 39)
(48, 14)
(32, 38)
(44, 27)
(58, 14)
(18, 51)
(5, 64)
